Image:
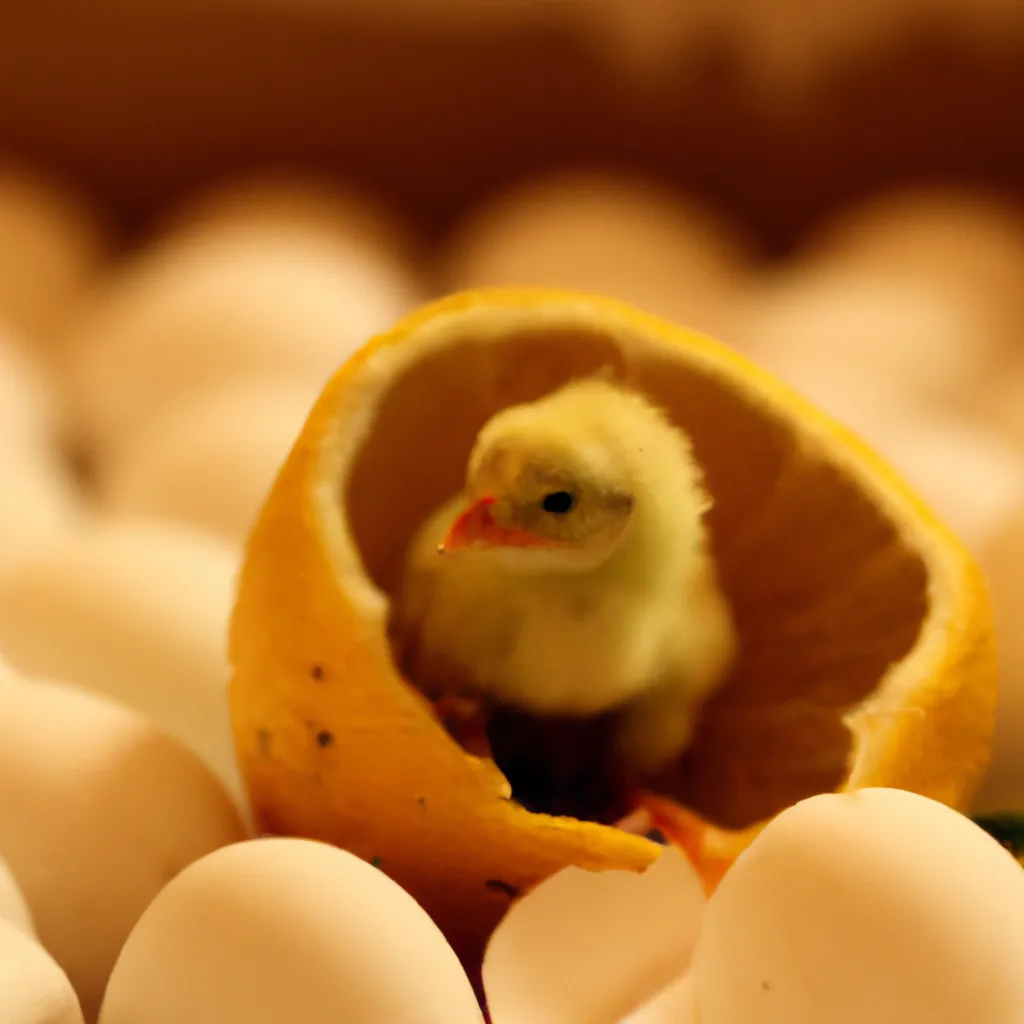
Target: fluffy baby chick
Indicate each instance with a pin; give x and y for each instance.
(573, 577)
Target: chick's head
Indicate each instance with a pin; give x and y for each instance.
(561, 483)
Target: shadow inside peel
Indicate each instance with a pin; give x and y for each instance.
(825, 595)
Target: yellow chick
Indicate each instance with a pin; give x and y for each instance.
(573, 576)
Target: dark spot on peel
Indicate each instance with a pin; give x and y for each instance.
(264, 742)
(317, 672)
(766, 986)
(498, 885)
(376, 862)
(324, 738)
(422, 801)
(657, 836)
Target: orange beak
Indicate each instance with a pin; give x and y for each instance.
(477, 526)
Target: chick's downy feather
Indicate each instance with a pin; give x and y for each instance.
(616, 606)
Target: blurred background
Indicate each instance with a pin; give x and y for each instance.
(205, 206)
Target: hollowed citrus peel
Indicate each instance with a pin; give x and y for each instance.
(867, 649)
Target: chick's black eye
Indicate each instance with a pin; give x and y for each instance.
(558, 502)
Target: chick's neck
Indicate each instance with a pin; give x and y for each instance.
(661, 542)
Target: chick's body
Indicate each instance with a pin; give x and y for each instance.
(609, 603)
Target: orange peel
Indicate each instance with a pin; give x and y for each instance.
(867, 646)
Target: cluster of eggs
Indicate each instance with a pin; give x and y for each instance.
(783, 48)
(147, 399)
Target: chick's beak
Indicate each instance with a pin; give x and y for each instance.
(477, 526)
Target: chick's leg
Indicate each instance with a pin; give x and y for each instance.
(656, 728)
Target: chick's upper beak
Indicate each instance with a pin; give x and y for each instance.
(476, 525)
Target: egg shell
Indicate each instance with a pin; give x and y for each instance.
(277, 930)
(878, 905)
(135, 610)
(33, 989)
(14, 909)
(41, 506)
(1002, 560)
(211, 459)
(907, 336)
(968, 243)
(98, 811)
(618, 236)
(52, 244)
(205, 311)
(585, 947)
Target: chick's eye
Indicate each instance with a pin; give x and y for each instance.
(558, 502)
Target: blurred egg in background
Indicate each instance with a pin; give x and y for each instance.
(203, 310)
(211, 459)
(628, 238)
(301, 207)
(134, 609)
(53, 244)
(968, 244)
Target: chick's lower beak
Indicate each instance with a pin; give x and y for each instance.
(472, 526)
(477, 526)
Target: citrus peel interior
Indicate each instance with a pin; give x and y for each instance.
(867, 648)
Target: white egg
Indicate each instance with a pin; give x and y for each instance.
(211, 459)
(1002, 560)
(292, 205)
(1001, 405)
(41, 506)
(51, 247)
(938, 227)
(33, 989)
(137, 611)
(865, 362)
(205, 311)
(623, 237)
(968, 244)
(28, 407)
(648, 40)
(98, 811)
(14, 909)
(786, 53)
(877, 906)
(287, 930)
(970, 476)
(863, 326)
(674, 1004)
(586, 947)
